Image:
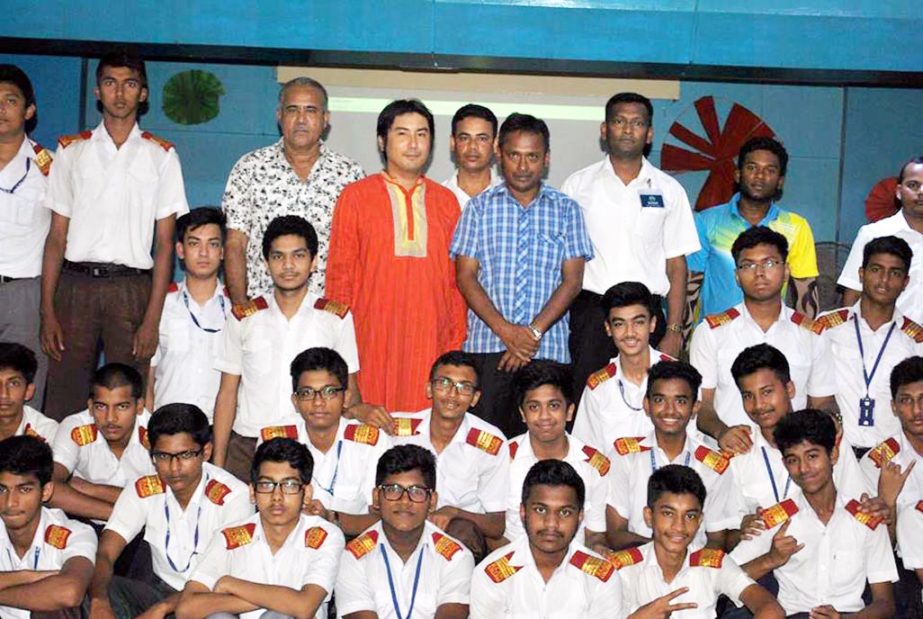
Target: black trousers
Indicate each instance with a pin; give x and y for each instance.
(498, 402)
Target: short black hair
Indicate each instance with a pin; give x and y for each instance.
(19, 358)
(893, 245)
(670, 370)
(27, 455)
(319, 358)
(400, 107)
(761, 357)
(286, 450)
(908, 371)
(553, 473)
(763, 143)
(122, 57)
(543, 372)
(675, 479)
(810, 424)
(289, 224)
(630, 97)
(457, 358)
(179, 418)
(759, 235)
(473, 110)
(115, 375)
(12, 74)
(624, 294)
(198, 217)
(525, 123)
(918, 160)
(406, 458)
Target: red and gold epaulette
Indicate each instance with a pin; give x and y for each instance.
(778, 513)
(271, 432)
(500, 570)
(66, 140)
(912, 329)
(30, 431)
(806, 323)
(314, 537)
(149, 485)
(831, 320)
(363, 545)
(716, 320)
(868, 520)
(57, 536)
(334, 307)
(706, 557)
(594, 566)
(714, 460)
(84, 435)
(597, 460)
(173, 287)
(406, 426)
(361, 433)
(624, 558)
(513, 447)
(159, 141)
(883, 452)
(143, 439)
(445, 546)
(216, 491)
(42, 159)
(629, 445)
(235, 537)
(242, 310)
(485, 441)
(600, 376)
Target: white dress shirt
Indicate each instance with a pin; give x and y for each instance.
(24, 219)
(461, 195)
(35, 423)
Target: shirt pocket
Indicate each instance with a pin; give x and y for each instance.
(549, 250)
(20, 210)
(848, 568)
(257, 357)
(177, 337)
(650, 222)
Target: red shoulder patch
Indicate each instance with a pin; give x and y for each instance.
(42, 159)
(714, 460)
(806, 323)
(216, 491)
(363, 545)
(142, 438)
(600, 376)
(149, 485)
(235, 537)
(913, 330)
(868, 520)
(882, 453)
(485, 441)
(173, 287)
(84, 435)
(57, 536)
(831, 320)
(334, 307)
(629, 445)
(270, 432)
(778, 513)
(162, 143)
(513, 446)
(406, 426)
(624, 558)
(445, 546)
(66, 140)
(361, 433)
(594, 566)
(500, 570)
(716, 320)
(314, 537)
(597, 460)
(242, 310)
(706, 557)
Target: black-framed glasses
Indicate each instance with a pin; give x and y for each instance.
(288, 486)
(395, 492)
(327, 392)
(13, 189)
(766, 265)
(443, 383)
(165, 457)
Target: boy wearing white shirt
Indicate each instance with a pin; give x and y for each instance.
(46, 559)
(194, 315)
(18, 366)
(404, 566)
(280, 560)
(177, 508)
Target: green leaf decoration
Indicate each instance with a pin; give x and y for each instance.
(191, 97)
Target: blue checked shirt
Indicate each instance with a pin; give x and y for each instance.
(520, 251)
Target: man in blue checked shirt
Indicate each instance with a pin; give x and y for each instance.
(519, 250)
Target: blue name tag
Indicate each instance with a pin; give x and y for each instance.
(651, 200)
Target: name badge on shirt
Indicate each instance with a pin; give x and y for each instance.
(651, 200)
(867, 412)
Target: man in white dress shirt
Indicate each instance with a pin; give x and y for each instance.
(18, 367)
(472, 144)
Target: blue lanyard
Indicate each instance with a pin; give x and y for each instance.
(336, 470)
(865, 373)
(20, 181)
(195, 538)
(622, 391)
(15, 564)
(196, 320)
(416, 582)
(654, 462)
(772, 479)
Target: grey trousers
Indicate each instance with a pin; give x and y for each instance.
(20, 322)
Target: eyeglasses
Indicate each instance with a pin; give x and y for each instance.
(443, 383)
(766, 265)
(394, 492)
(165, 457)
(328, 392)
(288, 486)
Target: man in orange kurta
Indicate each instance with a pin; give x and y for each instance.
(389, 261)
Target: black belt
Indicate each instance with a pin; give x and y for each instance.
(102, 269)
(5, 280)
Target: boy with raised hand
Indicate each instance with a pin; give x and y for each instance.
(99, 451)
(663, 577)
(546, 572)
(177, 508)
(671, 403)
(345, 453)
(472, 469)
(422, 572)
(279, 560)
(18, 366)
(195, 312)
(611, 405)
(46, 559)
(544, 392)
(820, 545)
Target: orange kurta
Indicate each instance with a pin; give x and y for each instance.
(389, 261)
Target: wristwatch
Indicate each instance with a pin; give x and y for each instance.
(675, 327)
(535, 331)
